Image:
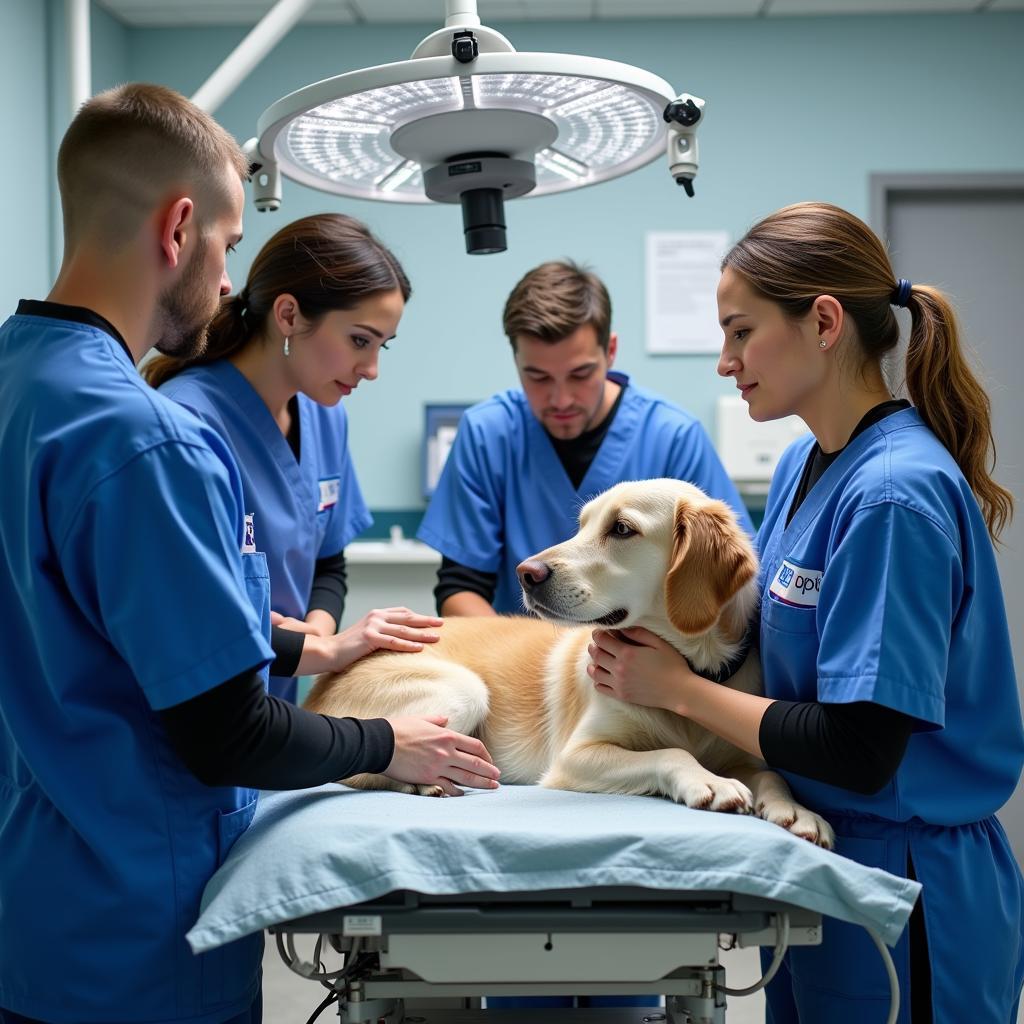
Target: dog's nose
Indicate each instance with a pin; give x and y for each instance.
(532, 574)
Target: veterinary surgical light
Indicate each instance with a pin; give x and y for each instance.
(469, 120)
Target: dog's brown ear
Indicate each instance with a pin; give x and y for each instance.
(711, 560)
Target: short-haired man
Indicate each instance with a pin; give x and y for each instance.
(524, 461)
(134, 726)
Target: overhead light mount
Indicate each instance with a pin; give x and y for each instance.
(469, 120)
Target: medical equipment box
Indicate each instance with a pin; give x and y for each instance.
(750, 450)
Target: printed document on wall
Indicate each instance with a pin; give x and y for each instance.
(682, 277)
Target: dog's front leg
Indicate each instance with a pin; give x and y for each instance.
(599, 766)
(774, 802)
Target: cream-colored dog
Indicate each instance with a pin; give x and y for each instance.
(654, 553)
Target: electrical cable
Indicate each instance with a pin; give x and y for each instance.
(780, 951)
(315, 970)
(890, 970)
(781, 944)
(331, 998)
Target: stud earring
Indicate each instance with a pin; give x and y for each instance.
(288, 350)
(821, 344)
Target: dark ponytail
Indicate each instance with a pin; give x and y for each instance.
(327, 261)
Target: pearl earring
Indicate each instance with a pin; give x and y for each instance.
(821, 344)
(288, 350)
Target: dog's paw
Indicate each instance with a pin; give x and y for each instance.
(798, 820)
(713, 793)
(450, 789)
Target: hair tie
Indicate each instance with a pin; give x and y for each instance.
(242, 303)
(901, 295)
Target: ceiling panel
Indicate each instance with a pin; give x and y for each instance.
(383, 11)
(546, 10)
(496, 11)
(812, 7)
(168, 13)
(676, 8)
(182, 13)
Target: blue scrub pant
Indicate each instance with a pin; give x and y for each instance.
(254, 1015)
(973, 907)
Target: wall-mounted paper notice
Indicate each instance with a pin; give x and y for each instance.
(682, 276)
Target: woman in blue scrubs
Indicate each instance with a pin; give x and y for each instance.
(891, 703)
(323, 297)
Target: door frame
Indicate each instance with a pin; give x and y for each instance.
(881, 186)
(883, 189)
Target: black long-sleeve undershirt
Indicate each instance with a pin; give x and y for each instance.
(330, 586)
(856, 746)
(287, 645)
(237, 735)
(328, 592)
(454, 578)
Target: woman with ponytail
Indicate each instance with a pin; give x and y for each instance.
(890, 700)
(323, 297)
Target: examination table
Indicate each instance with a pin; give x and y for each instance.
(529, 891)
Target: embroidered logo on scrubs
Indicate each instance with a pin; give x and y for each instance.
(249, 544)
(796, 586)
(330, 488)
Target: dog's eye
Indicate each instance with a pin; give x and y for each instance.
(622, 529)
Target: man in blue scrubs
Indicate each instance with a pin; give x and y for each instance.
(525, 461)
(134, 726)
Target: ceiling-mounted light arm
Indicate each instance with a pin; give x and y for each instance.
(265, 177)
(462, 28)
(469, 120)
(79, 53)
(460, 14)
(683, 115)
(237, 66)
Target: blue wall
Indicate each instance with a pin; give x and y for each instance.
(798, 108)
(109, 40)
(34, 113)
(25, 170)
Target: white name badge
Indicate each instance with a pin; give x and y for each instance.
(330, 488)
(797, 586)
(249, 543)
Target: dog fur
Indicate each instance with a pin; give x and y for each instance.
(655, 553)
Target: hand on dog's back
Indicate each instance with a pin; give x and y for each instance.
(427, 753)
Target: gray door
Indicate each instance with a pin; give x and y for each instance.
(967, 237)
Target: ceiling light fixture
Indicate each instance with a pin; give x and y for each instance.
(469, 120)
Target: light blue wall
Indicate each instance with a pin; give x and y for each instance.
(33, 115)
(109, 54)
(25, 167)
(797, 109)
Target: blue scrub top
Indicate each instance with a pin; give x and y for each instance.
(122, 592)
(504, 495)
(884, 588)
(302, 510)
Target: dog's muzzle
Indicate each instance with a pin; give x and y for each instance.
(533, 577)
(566, 618)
